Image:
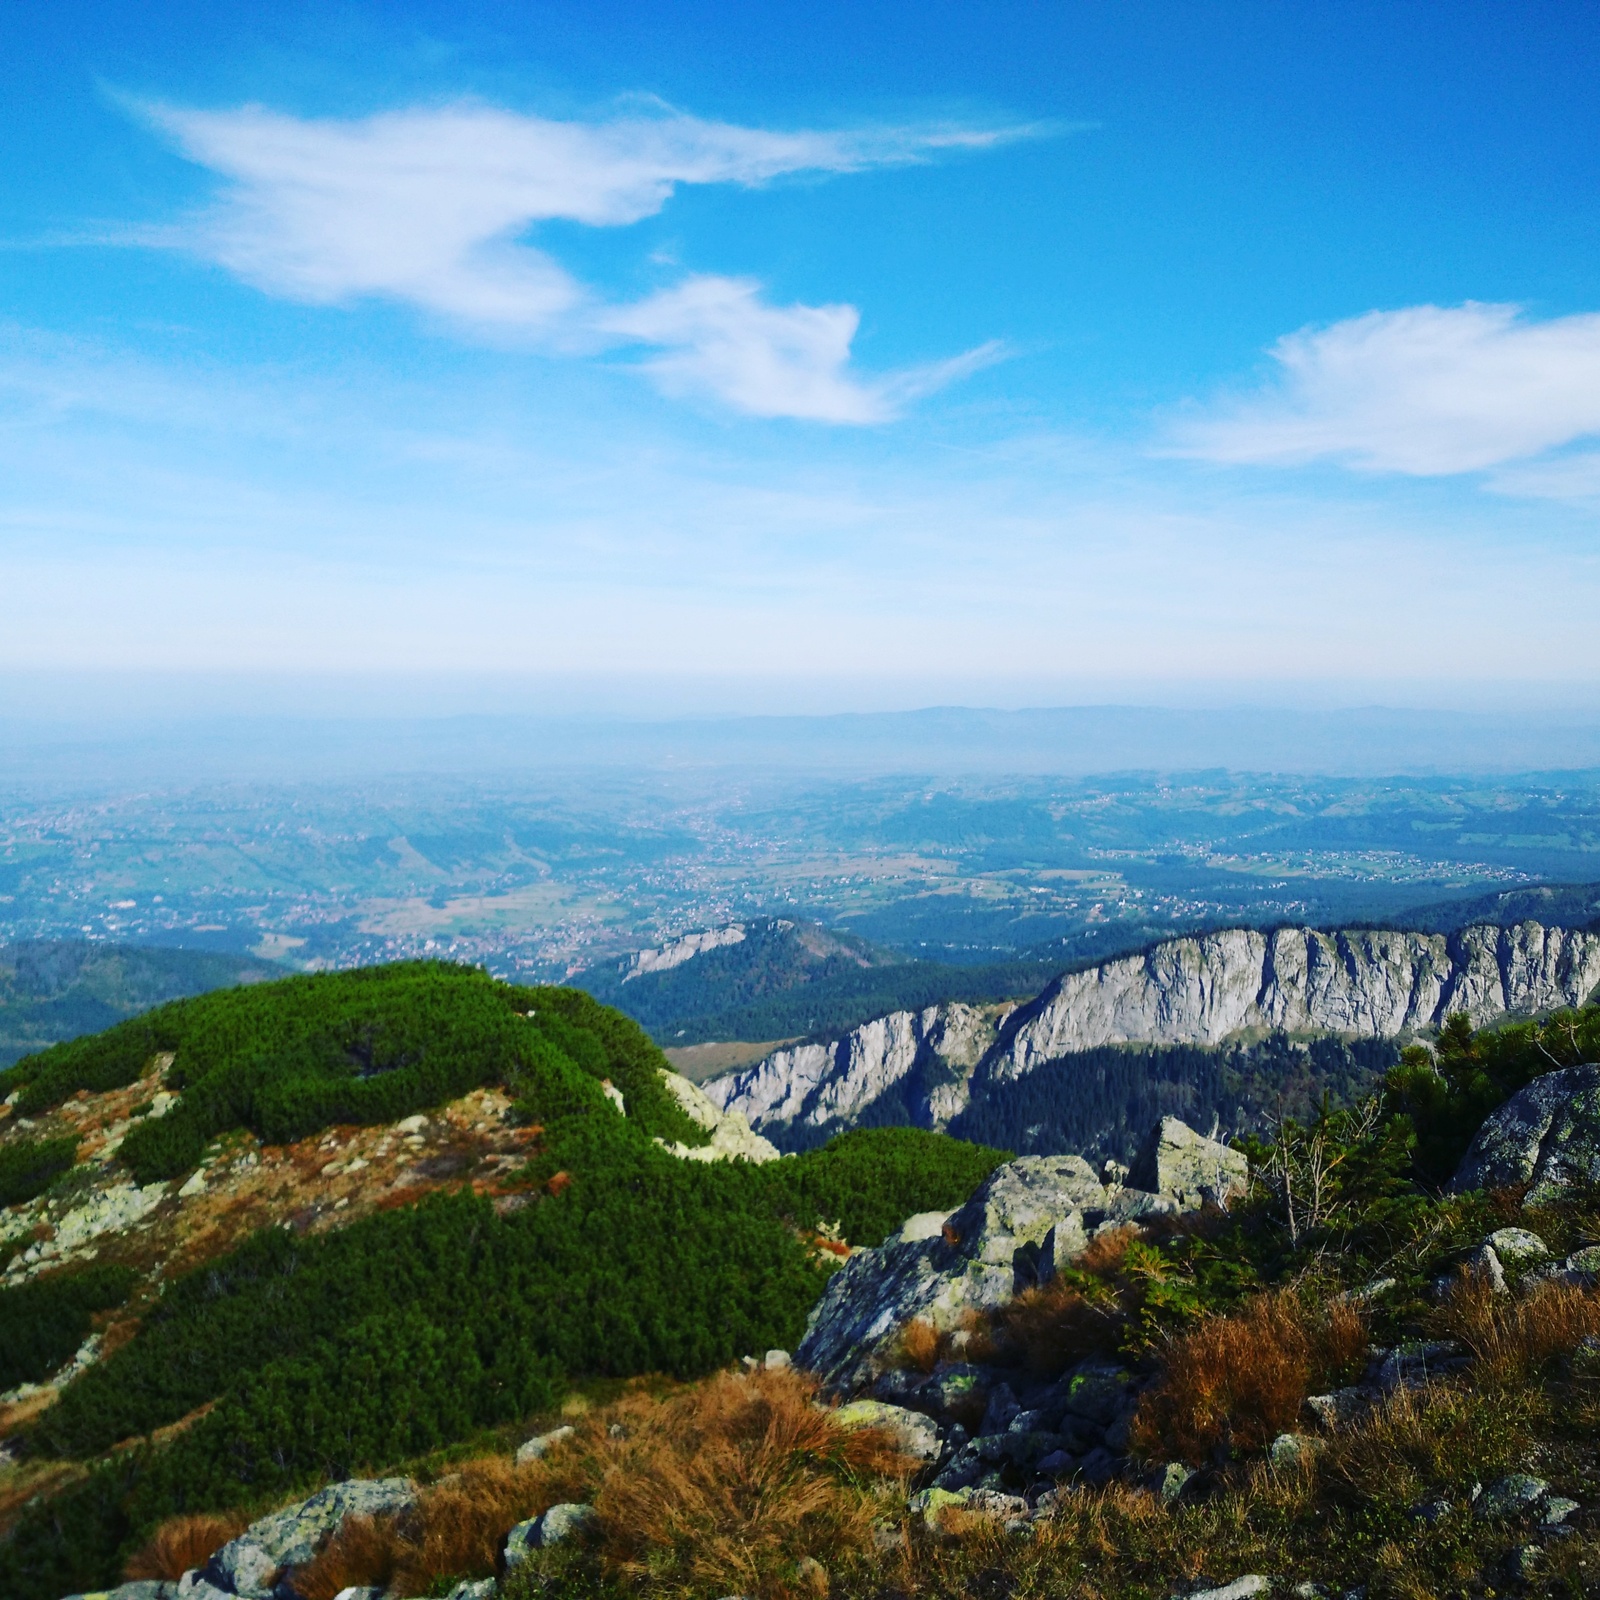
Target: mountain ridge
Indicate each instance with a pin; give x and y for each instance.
(1196, 990)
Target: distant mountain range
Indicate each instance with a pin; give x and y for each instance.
(53, 989)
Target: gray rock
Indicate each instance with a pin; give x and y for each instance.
(1517, 1247)
(566, 1521)
(777, 1360)
(1180, 1163)
(912, 1432)
(1343, 1405)
(1524, 1561)
(1096, 1393)
(993, 1503)
(1585, 1260)
(1240, 1589)
(1485, 1265)
(540, 1444)
(474, 1589)
(1408, 1366)
(249, 1565)
(1294, 1450)
(1057, 1464)
(1431, 1511)
(360, 1591)
(1546, 1136)
(1557, 1510)
(1511, 1496)
(1001, 1411)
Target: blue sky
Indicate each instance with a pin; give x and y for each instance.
(814, 355)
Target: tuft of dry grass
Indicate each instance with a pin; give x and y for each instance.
(179, 1544)
(919, 1345)
(1513, 1339)
(726, 1488)
(1236, 1382)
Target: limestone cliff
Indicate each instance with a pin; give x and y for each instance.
(1200, 990)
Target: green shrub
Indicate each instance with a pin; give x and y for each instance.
(42, 1323)
(1447, 1092)
(29, 1166)
(351, 1351)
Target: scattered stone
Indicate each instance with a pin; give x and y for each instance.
(1517, 1247)
(993, 1503)
(1343, 1405)
(358, 1591)
(1169, 1480)
(777, 1360)
(413, 1124)
(913, 1432)
(1294, 1450)
(1523, 1561)
(811, 1572)
(932, 1504)
(1484, 1264)
(1431, 1511)
(560, 1523)
(1055, 1465)
(1585, 1260)
(1240, 1589)
(1546, 1136)
(1512, 1495)
(248, 1566)
(468, 1589)
(1307, 1590)
(1557, 1510)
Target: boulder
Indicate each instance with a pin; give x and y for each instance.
(1546, 1136)
(540, 1444)
(1185, 1166)
(911, 1431)
(1029, 1218)
(1252, 1583)
(1511, 1496)
(560, 1523)
(1517, 1247)
(249, 1566)
(1169, 1480)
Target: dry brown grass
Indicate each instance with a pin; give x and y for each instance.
(179, 1544)
(919, 1345)
(1049, 1329)
(726, 1487)
(1236, 1382)
(1513, 1339)
(1421, 1441)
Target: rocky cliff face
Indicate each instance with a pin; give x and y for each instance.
(926, 1055)
(1202, 990)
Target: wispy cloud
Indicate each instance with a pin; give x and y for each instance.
(1429, 390)
(433, 208)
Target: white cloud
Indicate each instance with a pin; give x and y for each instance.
(1429, 390)
(431, 208)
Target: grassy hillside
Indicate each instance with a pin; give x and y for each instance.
(54, 989)
(355, 1350)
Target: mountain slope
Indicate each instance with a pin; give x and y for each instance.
(332, 1224)
(925, 1068)
(54, 989)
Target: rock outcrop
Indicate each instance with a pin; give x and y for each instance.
(1029, 1219)
(259, 1564)
(1202, 990)
(731, 1135)
(1546, 1136)
(928, 1055)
